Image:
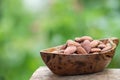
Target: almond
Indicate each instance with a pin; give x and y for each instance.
(95, 50)
(72, 43)
(63, 47)
(81, 50)
(78, 39)
(86, 45)
(101, 46)
(83, 38)
(108, 46)
(94, 43)
(70, 50)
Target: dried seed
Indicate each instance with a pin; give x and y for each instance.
(86, 45)
(70, 50)
(72, 43)
(101, 46)
(95, 50)
(81, 50)
(94, 43)
(63, 47)
(83, 38)
(101, 42)
(78, 39)
(86, 38)
(108, 46)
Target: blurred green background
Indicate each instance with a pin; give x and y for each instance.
(28, 26)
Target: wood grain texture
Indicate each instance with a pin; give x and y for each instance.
(43, 73)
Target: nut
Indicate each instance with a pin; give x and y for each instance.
(95, 50)
(70, 50)
(81, 50)
(83, 38)
(108, 46)
(101, 46)
(94, 43)
(86, 45)
(63, 47)
(72, 43)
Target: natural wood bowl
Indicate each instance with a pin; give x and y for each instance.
(74, 64)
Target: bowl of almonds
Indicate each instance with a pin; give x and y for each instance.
(83, 55)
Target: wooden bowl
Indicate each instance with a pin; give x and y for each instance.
(75, 64)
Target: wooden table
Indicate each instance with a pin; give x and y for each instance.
(43, 73)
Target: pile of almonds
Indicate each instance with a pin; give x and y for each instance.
(84, 45)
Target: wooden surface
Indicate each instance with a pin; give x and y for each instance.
(43, 73)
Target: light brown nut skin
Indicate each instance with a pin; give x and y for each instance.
(95, 50)
(101, 42)
(94, 43)
(101, 46)
(86, 45)
(72, 43)
(63, 47)
(108, 46)
(77, 39)
(81, 50)
(70, 50)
